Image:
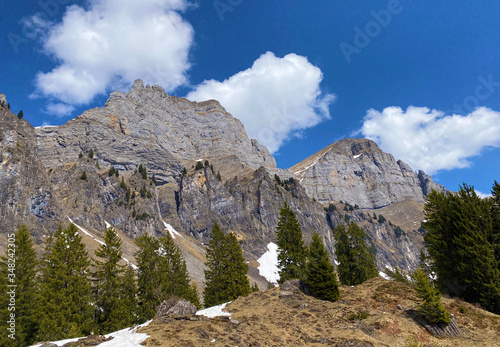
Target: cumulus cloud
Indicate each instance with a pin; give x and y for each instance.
(428, 139)
(276, 98)
(110, 44)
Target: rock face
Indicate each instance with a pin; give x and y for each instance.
(26, 194)
(356, 171)
(160, 131)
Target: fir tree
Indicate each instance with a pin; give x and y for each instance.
(356, 263)
(91, 153)
(226, 269)
(112, 306)
(219, 177)
(321, 278)
(20, 115)
(65, 294)
(22, 274)
(161, 273)
(199, 165)
(431, 309)
(292, 252)
(460, 232)
(84, 175)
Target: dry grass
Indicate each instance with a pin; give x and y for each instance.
(268, 320)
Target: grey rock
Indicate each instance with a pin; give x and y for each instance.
(356, 171)
(175, 307)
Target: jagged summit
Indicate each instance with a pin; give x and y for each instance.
(165, 131)
(357, 171)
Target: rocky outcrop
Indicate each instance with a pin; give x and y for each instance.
(26, 193)
(356, 171)
(175, 307)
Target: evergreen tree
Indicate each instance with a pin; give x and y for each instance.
(22, 274)
(20, 115)
(112, 306)
(226, 271)
(65, 294)
(199, 165)
(219, 177)
(356, 263)
(91, 153)
(460, 232)
(431, 309)
(84, 175)
(161, 273)
(292, 252)
(321, 278)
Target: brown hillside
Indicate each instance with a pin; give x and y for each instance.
(273, 318)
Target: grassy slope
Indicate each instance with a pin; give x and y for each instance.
(268, 320)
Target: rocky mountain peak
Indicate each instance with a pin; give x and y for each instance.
(358, 172)
(148, 123)
(3, 100)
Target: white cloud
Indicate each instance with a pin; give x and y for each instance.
(276, 98)
(110, 44)
(430, 141)
(59, 109)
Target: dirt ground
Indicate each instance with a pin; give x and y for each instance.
(375, 313)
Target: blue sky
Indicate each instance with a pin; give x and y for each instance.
(420, 78)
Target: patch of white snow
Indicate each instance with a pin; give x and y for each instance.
(384, 275)
(215, 311)
(107, 225)
(171, 230)
(357, 156)
(268, 267)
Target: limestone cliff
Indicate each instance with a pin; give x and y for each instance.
(356, 171)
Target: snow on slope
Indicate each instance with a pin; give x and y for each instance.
(128, 337)
(214, 311)
(171, 230)
(268, 267)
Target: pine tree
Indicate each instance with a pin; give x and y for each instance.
(460, 230)
(84, 175)
(22, 274)
(199, 165)
(226, 271)
(292, 252)
(65, 293)
(321, 278)
(91, 153)
(161, 273)
(112, 311)
(431, 309)
(356, 263)
(20, 115)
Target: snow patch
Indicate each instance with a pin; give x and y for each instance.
(107, 225)
(171, 230)
(215, 311)
(357, 156)
(128, 337)
(384, 275)
(268, 267)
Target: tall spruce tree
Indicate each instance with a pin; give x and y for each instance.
(356, 263)
(431, 308)
(161, 273)
(18, 276)
(66, 291)
(112, 300)
(292, 252)
(460, 232)
(226, 271)
(321, 278)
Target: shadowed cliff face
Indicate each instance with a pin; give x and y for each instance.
(356, 171)
(42, 181)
